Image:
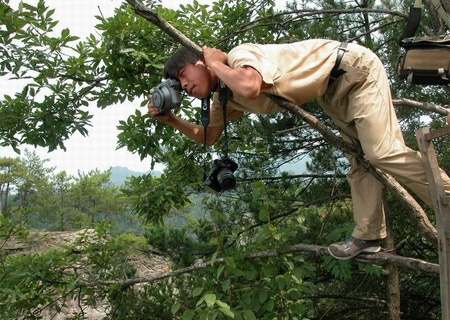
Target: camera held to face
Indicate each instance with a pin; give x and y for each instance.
(166, 96)
(221, 176)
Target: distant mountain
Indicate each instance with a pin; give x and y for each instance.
(120, 174)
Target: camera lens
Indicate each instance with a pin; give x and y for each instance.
(226, 179)
(158, 99)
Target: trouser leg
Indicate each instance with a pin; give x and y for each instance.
(361, 105)
(368, 211)
(381, 139)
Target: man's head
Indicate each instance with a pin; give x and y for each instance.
(178, 61)
(195, 77)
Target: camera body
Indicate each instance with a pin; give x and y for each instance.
(166, 96)
(221, 176)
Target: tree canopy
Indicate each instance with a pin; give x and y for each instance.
(270, 209)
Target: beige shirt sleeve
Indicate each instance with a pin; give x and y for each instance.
(298, 71)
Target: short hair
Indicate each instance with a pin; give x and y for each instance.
(178, 61)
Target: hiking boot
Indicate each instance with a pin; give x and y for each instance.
(351, 247)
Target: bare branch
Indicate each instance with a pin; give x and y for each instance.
(446, 6)
(301, 14)
(156, 19)
(282, 132)
(296, 176)
(381, 259)
(428, 106)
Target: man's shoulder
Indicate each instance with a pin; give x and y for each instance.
(246, 47)
(258, 46)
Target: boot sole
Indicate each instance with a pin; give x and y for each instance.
(366, 250)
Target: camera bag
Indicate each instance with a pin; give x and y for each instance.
(426, 60)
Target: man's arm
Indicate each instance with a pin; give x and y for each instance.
(190, 130)
(246, 81)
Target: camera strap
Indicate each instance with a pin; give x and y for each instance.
(205, 112)
(205, 116)
(223, 98)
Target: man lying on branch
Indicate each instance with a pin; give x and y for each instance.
(350, 84)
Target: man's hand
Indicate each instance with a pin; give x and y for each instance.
(213, 55)
(245, 81)
(154, 112)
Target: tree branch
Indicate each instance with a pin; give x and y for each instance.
(446, 5)
(295, 176)
(300, 14)
(380, 259)
(158, 21)
(428, 106)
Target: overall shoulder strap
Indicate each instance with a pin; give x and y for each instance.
(415, 15)
(413, 20)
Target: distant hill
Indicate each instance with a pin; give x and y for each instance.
(120, 174)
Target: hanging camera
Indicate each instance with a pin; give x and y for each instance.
(166, 96)
(221, 176)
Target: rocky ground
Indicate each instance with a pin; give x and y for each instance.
(146, 264)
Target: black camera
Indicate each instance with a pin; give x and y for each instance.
(221, 176)
(166, 96)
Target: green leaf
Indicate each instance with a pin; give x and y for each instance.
(263, 296)
(230, 262)
(281, 283)
(197, 292)
(65, 33)
(188, 315)
(222, 304)
(214, 257)
(227, 312)
(249, 315)
(264, 215)
(144, 103)
(269, 305)
(226, 285)
(220, 270)
(210, 299)
(251, 274)
(174, 309)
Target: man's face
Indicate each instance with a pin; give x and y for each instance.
(196, 80)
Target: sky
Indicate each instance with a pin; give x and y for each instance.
(98, 149)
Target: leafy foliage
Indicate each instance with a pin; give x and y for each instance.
(270, 208)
